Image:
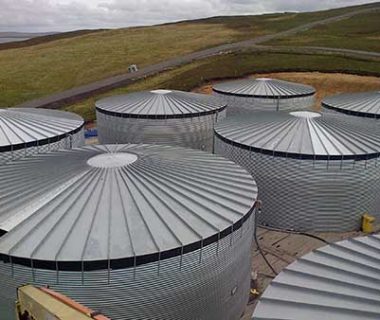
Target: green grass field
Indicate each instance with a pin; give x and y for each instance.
(45, 39)
(234, 65)
(361, 32)
(35, 71)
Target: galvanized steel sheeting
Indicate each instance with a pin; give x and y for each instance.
(159, 103)
(303, 194)
(339, 281)
(68, 142)
(373, 124)
(264, 87)
(361, 104)
(191, 132)
(112, 202)
(23, 126)
(159, 117)
(74, 206)
(302, 134)
(24, 132)
(246, 105)
(211, 283)
(245, 96)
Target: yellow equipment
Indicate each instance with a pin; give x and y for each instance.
(368, 223)
(42, 303)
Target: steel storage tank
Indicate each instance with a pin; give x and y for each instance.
(363, 105)
(133, 231)
(24, 132)
(244, 96)
(159, 117)
(314, 172)
(339, 281)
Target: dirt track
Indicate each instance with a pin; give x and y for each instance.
(82, 92)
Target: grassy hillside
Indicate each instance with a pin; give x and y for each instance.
(39, 70)
(277, 22)
(44, 39)
(234, 65)
(361, 32)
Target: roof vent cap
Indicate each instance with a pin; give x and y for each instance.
(160, 91)
(112, 160)
(305, 114)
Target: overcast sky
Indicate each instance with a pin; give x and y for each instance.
(63, 15)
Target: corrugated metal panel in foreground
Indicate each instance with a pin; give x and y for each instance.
(24, 132)
(314, 172)
(245, 96)
(135, 231)
(159, 117)
(339, 282)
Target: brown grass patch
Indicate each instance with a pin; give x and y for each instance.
(283, 17)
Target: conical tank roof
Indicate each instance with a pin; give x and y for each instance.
(301, 134)
(363, 104)
(160, 104)
(118, 204)
(339, 281)
(264, 88)
(21, 127)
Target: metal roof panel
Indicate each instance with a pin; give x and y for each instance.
(20, 126)
(112, 202)
(264, 87)
(339, 281)
(159, 103)
(302, 134)
(364, 104)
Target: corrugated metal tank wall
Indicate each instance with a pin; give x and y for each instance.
(364, 118)
(70, 141)
(359, 104)
(238, 105)
(366, 121)
(211, 283)
(310, 195)
(191, 132)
